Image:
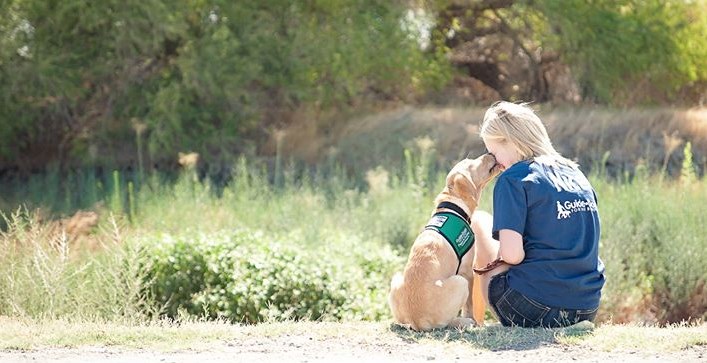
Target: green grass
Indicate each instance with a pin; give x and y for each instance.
(653, 242)
(654, 247)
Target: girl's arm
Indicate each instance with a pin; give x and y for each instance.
(509, 246)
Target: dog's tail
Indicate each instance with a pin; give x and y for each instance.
(397, 281)
(395, 284)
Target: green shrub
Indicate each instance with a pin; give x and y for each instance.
(248, 277)
(327, 252)
(653, 246)
(176, 273)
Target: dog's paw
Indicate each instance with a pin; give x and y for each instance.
(462, 323)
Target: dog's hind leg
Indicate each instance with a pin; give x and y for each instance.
(449, 296)
(394, 299)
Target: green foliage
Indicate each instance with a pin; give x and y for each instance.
(200, 75)
(250, 277)
(653, 246)
(615, 45)
(687, 171)
(317, 248)
(116, 201)
(47, 274)
(176, 273)
(64, 63)
(621, 52)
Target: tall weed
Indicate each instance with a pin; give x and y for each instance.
(653, 245)
(43, 276)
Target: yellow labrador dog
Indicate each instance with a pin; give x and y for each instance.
(438, 279)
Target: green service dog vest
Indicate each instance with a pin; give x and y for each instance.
(455, 230)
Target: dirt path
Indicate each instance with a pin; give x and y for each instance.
(303, 346)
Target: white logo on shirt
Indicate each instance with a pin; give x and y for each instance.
(562, 213)
(565, 209)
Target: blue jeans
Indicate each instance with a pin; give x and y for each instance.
(515, 309)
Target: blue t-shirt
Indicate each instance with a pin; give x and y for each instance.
(554, 208)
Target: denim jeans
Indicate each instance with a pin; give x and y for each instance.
(515, 309)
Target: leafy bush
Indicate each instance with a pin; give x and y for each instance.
(328, 252)
(660, 37)
(192, 75)
(653, 247)
(247, 277)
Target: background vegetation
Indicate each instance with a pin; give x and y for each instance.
(321, 248)
(311, 180)
(130, 83)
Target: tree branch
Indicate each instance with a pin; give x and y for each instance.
(478, 5)
(512, 33)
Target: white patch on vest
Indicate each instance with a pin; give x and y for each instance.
(437, 221)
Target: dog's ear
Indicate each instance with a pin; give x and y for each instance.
(463, 187)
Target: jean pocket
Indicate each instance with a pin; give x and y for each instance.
(521, 310)
(497, 287)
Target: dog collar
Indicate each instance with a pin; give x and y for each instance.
(455, 208)
(455, 230)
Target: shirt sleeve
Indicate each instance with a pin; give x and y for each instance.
(510, 205)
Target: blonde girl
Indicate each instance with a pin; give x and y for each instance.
(539, 252)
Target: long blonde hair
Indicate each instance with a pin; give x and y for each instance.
(518, 125)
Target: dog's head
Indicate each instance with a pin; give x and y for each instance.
(466, 179)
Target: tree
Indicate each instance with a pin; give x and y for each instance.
(65, 69)
(202, 76)
(513, 46)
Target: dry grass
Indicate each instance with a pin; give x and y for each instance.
(631, 136)
(198, 335)
(24, 334)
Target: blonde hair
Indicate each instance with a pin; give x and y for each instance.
(518, 125)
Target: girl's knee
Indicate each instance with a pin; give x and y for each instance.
(481, 221)
(480, 214)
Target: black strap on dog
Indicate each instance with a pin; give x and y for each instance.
(457, 209)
